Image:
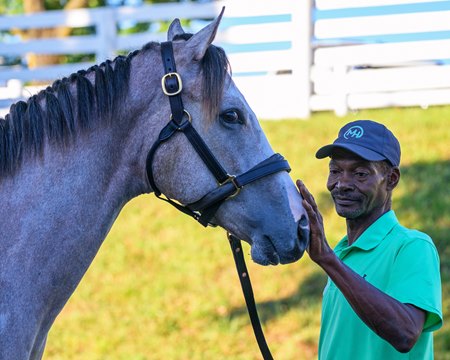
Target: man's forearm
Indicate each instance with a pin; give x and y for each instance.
(399, 324)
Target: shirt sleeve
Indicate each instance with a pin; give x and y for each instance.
(416, 280)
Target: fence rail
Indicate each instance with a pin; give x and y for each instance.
(286, 64)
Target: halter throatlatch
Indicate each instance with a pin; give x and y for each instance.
(205, 208)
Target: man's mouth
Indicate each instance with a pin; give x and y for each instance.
(344, 201)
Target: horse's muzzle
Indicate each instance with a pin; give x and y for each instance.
(301, 244)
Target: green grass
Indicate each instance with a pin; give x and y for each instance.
(162, 287)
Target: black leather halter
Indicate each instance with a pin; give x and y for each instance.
(205, 208)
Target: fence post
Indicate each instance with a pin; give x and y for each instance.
(340, 90)
(15, 88)
(302, 55)
(107, 34)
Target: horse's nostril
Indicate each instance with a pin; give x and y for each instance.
(303, 222)
(303, 232)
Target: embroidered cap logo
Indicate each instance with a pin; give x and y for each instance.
(354, 132)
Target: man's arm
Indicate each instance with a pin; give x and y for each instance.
(399, 324)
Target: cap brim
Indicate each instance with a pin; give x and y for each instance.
(360, 151)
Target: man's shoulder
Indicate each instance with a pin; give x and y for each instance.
(407, 236)
(389, 225)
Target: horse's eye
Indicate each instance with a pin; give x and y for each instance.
(232, 117)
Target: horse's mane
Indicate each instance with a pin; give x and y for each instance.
(54, 114)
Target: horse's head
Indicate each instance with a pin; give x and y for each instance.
(268, 212)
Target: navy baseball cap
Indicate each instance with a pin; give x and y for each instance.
(367, 139)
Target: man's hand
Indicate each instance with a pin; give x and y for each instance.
(318, 250)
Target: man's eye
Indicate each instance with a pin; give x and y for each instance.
(231, 117)
(361, 174)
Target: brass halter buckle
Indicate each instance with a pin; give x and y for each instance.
(231, 179)
(163, 84)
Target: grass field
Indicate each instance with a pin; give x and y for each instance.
(162, 287)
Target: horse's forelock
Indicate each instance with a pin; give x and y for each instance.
(215, 68)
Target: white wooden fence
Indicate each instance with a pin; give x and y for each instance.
(371, 75)
(286, 64)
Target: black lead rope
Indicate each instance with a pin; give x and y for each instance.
(246, 285)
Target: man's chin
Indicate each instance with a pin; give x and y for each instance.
(348, 214)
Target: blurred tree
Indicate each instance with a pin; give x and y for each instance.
(10, 6)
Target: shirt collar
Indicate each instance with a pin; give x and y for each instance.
(372, 236)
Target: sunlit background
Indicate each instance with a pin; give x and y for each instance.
(162, 287)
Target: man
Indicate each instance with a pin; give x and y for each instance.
(383, 296)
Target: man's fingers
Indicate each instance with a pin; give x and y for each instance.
(303, 190)
(312, 213)
(307, 195)
(309, 203)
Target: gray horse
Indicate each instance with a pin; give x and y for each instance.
(73, 155)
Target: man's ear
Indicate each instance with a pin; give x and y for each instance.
(393, 178)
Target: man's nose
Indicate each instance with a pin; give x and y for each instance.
(344, 183)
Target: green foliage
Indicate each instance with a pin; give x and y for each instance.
(60, 4)
(162, 287)
(136, 28)
(11, 7)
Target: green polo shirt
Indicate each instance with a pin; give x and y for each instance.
(402, 263)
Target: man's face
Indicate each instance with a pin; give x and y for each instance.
(358, 187)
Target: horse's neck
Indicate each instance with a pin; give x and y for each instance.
(58, 209)
(55, 214)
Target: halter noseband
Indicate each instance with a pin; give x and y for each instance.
(204, 209)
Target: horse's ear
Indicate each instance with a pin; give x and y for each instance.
(199, 42)
(174, 29)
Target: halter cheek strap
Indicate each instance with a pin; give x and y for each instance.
(172, 87)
